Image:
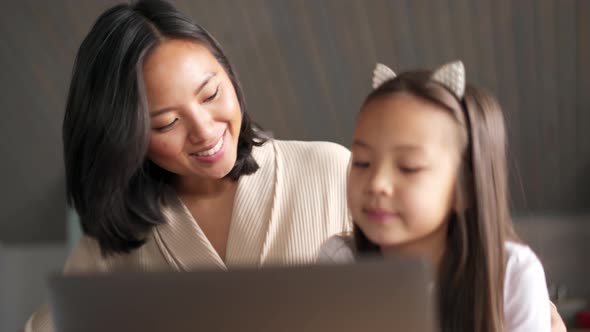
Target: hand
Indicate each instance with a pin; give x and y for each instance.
(557, 324)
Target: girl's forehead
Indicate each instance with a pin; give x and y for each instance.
(403, 119)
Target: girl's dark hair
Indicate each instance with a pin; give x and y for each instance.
(117, 192)
(471, 276)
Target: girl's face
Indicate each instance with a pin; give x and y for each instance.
(194, 110)
(405, 161)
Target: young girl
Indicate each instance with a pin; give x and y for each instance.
(428, 178)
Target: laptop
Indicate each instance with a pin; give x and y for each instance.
(384, 295)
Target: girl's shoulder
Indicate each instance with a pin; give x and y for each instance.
(526, 299)
(337, 249)
(523, 267)
(519, 256)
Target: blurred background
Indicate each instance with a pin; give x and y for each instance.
(305, 66)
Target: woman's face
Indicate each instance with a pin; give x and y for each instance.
(194, 110)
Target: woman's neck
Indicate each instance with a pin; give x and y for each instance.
(204, 188)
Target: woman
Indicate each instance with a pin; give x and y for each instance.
(166, 169)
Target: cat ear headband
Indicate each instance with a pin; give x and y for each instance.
(451, 75)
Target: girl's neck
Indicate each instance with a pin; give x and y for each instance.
(431, 246)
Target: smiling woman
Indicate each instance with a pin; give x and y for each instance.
(195, 112)
(166, 169)
(140, 118)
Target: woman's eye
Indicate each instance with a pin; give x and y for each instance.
(212, 97)
(168, 126)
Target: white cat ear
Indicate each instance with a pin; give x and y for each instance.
(381, 74)
(452, 75)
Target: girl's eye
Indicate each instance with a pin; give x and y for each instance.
(168, 126)
(410, 169)
(212, 97)
(360, 164)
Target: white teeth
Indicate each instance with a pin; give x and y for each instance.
(211, 151)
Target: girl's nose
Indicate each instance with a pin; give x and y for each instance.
(382, 181)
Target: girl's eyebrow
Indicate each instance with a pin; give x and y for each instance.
(400, 147)
(360, 144)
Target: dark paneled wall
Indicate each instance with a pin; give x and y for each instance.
(38, 43)
(305, 67)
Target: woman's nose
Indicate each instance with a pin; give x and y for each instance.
(200, 125)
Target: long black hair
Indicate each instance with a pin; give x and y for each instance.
(117, 192)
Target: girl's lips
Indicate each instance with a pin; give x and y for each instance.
(380, 215)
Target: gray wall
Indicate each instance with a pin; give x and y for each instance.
(38, 41)
(23, 270)
(305, 66)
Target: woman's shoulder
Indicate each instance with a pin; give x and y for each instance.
(325, 162)
(337, 249)
(313, 150)
(87, 257)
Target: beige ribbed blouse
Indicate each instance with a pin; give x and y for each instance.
(281, 215)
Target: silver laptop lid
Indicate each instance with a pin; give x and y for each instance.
(392, 295)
